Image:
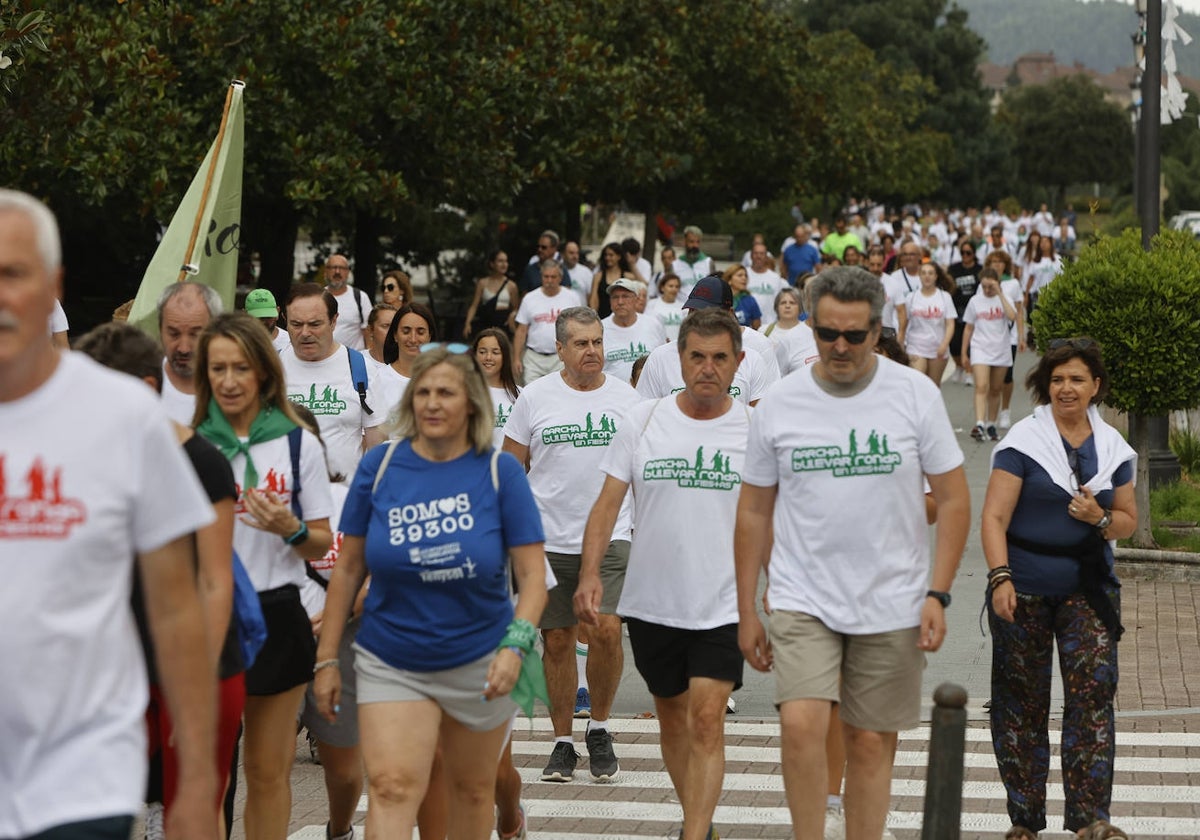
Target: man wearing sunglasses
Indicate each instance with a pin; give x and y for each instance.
(839, 451)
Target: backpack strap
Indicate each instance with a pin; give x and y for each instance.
(496, 470)
(294, 450)
(362, 322)
(387, 459)
(358, 374)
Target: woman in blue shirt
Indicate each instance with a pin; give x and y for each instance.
(435, 517)
(1060, 493)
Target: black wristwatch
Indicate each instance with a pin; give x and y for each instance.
(1105, 521)
(943, 597)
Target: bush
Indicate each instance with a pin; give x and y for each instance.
(1186, 447)
(1143, 308)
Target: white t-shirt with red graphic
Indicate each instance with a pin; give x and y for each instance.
(539, 312)
(990, 343)
(927, 315)
(270, 561)
(851, 539)
(312, 594)
(78, 501)
(567, 432)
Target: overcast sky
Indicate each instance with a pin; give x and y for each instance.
(1190, 6)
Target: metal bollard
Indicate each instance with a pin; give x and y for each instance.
(944, 779)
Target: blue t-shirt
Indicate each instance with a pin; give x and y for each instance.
(747, 310)
(800, 259)
(437, 536)
(1041, 516)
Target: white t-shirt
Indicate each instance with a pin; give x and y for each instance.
(349, 327)
(663, 375)
(270, 561)
(327, 389)
(685, 475)
(1041, 273)
(502, 405)
(796, 348)
(754, 340)
(689, 274)
(390, 384)
(567, 432)
(312, 594)
(850, 533)
(625, 345)
(58, 319)
(897, 286)
(989, 339)
(282, 340)
(179, 406)
(646, 271)
(581, 278)
(539, 312)
(927, 322)
(76, 504)
(764, 287)
(670, 315)
(1011, 289)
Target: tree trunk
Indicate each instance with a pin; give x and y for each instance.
(650, 233)
(366, 252)
(1139, 438)
(573, 227)
(275, 240)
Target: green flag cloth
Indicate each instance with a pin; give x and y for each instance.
(531, 682)
(213, 259)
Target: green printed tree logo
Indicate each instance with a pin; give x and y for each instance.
(590, 433)
(326, 403)
(877, 459)
(717, 475)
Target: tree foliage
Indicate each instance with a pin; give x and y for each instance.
(1066, 132)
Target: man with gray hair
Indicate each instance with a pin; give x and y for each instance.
(561, 426)
(834, 470)
(694, 264)
(77, 511)
(184, 310)
(534, 353)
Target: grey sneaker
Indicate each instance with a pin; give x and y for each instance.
(562, 763)
(601, 758)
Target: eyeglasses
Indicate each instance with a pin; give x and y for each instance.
(455, 347)
(1076, 474)
(831, 335)
(1073, 343)
(338, 267)
(967, 252)
(389, 287)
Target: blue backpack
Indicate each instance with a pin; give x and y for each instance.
(247, 614)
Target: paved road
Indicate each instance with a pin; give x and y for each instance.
(1158, 768)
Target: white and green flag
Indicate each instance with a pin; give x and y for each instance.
(200, 244)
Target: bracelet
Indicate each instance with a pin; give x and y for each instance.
(325, 663)
(300, 536)
(999, 571)
(515, 650)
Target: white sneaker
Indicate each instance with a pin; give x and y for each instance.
(731, 705)
(1005, 420)
(835, 823)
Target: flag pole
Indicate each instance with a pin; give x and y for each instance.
(187, 267)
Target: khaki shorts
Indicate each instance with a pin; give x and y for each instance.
(560, 609)
(880, 673)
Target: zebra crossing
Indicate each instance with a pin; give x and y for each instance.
(1155, 792)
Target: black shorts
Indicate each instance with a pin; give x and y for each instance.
(1008, 373)
(956, 340)
(287, 658)
(667, 657)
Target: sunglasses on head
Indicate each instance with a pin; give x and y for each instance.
(455, 347)
(1073, 343)
(831, 335)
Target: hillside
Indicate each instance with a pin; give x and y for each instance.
(1096, 34)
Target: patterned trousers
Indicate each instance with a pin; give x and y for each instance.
(1021, 676)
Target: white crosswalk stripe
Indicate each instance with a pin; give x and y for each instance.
(555, 811)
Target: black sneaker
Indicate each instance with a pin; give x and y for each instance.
(991, 432)
(562, 763)
(601, 758)
(977, 431)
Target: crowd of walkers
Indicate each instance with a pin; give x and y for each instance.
(332, 520)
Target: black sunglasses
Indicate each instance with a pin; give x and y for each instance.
(389, 287)
(1073, 343)
(1073, 463)
(831, 335)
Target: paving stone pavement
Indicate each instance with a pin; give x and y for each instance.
(1157, 790)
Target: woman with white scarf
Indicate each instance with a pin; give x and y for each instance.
(1059, 496)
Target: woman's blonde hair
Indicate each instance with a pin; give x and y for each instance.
(403, 421)
(255, 343)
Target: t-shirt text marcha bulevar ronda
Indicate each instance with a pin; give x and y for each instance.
(591, 433)
(876, 460)
(716, 476)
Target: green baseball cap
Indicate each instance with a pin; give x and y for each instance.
(261, 304)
